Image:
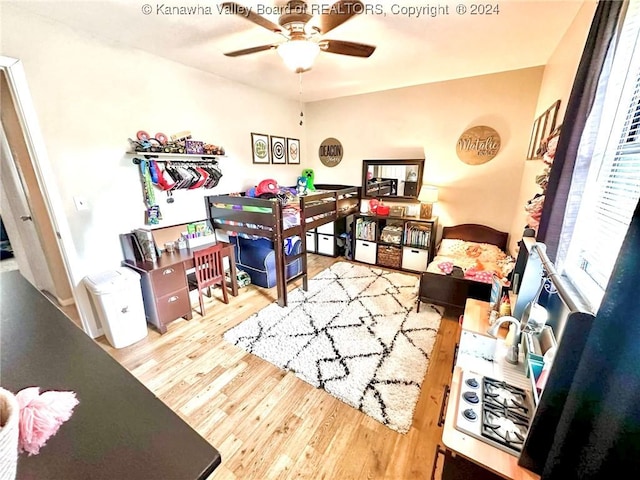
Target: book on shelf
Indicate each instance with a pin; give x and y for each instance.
(365, 229)
(417, 235)
(147, 244)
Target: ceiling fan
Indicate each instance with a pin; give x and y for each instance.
(302, 32)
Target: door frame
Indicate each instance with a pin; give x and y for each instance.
(25, 110)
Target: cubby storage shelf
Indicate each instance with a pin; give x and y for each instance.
(413, 250)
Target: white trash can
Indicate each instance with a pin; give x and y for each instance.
(116, 297)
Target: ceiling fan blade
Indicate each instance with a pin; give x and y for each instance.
(247, 51)
(339, 13)
(249, 14)
(347, 48)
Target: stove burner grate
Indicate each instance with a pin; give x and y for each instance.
(497, 393)
(505, 413)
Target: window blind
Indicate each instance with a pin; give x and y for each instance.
(617, 194)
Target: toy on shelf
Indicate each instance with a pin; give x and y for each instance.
(301, 185)
(267, 188)
(180, 143)
(308, 172)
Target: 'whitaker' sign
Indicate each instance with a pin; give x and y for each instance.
(478, 145)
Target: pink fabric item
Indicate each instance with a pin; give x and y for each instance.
(479, 275)
(446, 267)
(41, 416)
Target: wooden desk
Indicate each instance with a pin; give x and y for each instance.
(500, 463)
(119, 430)
(165, 286)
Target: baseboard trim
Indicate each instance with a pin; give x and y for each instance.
(62, 302)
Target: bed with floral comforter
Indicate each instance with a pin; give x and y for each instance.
(467, 258)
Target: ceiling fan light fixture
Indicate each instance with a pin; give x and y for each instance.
(299, 55)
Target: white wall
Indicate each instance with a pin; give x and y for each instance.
(91, 96)
(556, 84)
(426, 122)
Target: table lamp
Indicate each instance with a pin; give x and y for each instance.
(428, 196)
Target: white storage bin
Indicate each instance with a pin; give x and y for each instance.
(327, 228)
(415, 259)
(116, 297)
(326, 244)
(366, 251)
(311, 242)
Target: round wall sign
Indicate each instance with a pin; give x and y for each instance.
(478, 145)
(330, 152)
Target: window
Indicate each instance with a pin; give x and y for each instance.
(610, 190)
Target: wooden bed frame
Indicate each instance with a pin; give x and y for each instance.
(453, 291)
(329, 203)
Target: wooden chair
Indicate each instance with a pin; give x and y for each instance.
(209, 271)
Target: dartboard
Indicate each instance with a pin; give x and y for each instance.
(278, 150)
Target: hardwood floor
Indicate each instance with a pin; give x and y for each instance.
(267, 423)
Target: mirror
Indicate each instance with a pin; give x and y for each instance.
(398, 180)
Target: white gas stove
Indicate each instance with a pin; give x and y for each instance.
(493, 411)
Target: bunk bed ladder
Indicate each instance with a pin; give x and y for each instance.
(303, 248)
(282, 259)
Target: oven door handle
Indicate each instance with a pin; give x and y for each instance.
(439, 451)
(445, 398)
(455, 357)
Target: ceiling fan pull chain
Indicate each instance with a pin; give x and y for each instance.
(300, 97)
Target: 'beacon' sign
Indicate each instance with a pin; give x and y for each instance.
(330, 152)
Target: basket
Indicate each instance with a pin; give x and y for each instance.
(391, 234)
(9, 413)
(389, 256)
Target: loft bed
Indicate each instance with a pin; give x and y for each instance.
(467, 257)
(279, 221)
(381, 187)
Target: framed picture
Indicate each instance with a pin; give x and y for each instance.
(260, 147)
(293, 151)
(543, 126)
(278, 150)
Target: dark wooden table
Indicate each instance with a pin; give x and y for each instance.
(119, 429)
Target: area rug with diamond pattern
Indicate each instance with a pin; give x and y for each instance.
(356, 334)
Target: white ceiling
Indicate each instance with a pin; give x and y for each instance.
(410, 51)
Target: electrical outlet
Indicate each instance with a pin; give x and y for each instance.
(81, 203)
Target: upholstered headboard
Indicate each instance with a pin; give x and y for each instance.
(472, 232)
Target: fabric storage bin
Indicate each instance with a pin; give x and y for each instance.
(389, 256)
(326, 244)
(415, 259)
(327, 228)
(311, 242)
(365, 251)
(391, 234)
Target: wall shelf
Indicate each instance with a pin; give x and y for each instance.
(179, 157)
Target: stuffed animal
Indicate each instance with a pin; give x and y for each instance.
(301, 185)
(308, 172)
